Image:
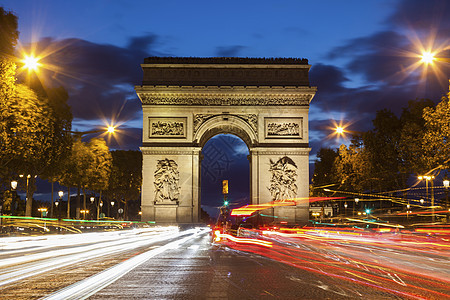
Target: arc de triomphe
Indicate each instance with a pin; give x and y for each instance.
(186, 101)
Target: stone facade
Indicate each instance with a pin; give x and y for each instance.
(187, 101)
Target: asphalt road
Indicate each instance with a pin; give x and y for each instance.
(168, 264)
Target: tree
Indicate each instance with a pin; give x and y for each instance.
(8, 33)
(324, 168)
(125, 180)
(351, 168)
(436, 140)
(33, 126)
(100, 165)
(75, 171)
(88, 167)
(62, 124)
(412, 132)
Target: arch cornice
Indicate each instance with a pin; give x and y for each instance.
(225, 123)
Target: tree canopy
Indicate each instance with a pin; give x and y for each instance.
(382, 159)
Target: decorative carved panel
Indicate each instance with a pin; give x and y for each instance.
(283, 128)
(167, 127)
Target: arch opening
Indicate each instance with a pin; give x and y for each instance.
(224, 156)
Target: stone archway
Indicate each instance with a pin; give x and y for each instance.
(186, 101)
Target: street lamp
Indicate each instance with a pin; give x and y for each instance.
(356, 203)
(78, 134)
(339, 130)
(112, 209)
(60, 194)
(429, 178)
(84, 212)
(428, 58)
(43, 211)
(31, 63)
(28, 205)
(101, 209)
(14, 196)
(345, 206)
(446, 183)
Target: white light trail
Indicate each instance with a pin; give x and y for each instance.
(35, 264)
(93, 284)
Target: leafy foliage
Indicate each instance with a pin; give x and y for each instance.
(383, 158)
(436, 140)
(126, 176)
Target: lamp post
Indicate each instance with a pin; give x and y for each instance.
(345, 206)
(356, 203)
(112, 208)
(57, 208)
(29, 205)
(429, 178)
(84, 212)
(446, 183)
(92, 205)
(60, 194)
(101, 208)
(14, 196)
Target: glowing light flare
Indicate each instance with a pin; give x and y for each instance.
(31, 63)
(427, 57)
(111, 129)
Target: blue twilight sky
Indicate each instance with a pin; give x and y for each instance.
(363, 53)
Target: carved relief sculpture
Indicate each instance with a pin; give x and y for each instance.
(284, 127)
(284, 176)
(166, 181)
(170, 127)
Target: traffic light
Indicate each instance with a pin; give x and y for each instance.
(225, 187)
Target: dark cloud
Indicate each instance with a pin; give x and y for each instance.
(142, 43)
(229, 51)
(330, 78)
(423, 16)
(100, 78)
(377, 57)
(386, 65)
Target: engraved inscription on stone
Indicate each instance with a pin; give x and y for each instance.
(166, 182)
(169, 127)
(284, 176)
